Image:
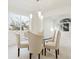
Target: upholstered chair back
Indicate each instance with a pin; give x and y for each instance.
(57, 38)
(35, 42)
(18, 40)
(53, 36)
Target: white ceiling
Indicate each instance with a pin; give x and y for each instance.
(47, 7)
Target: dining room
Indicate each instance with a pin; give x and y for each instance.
(39, 29)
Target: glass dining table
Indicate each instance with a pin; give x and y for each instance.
(23, 36)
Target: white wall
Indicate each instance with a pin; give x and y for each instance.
(52, 18)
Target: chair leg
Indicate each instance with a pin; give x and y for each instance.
(56, 52)
(42, 51)
(30, 55)
(18, 52)
(38, 56)
(45, 51)
(49, 49)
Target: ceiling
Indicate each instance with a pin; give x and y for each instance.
(48, 8)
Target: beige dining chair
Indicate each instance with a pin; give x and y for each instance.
(51, 39)
(54, 44)
(35, 44)
(21, 44)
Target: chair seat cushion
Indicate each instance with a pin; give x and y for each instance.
(24, 44)
(50, 45)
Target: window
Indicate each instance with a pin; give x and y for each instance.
(17, 22)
